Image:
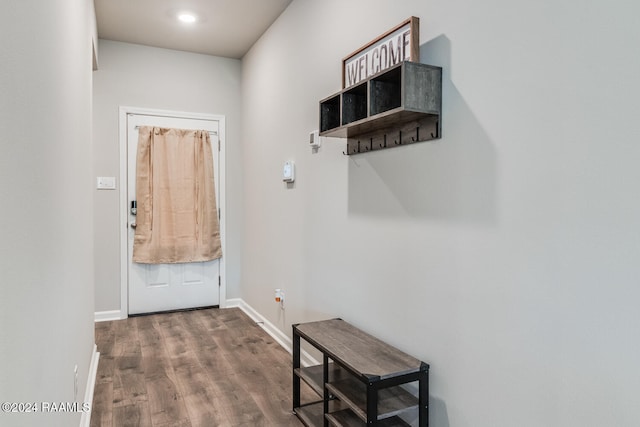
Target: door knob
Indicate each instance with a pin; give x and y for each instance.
(133, 225)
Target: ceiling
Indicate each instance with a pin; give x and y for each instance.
(225, 28)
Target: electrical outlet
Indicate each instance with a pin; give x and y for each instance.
(279, 296)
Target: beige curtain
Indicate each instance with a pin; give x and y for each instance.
(177, 217)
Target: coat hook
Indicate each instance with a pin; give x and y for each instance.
(399, 138)
(437, 132)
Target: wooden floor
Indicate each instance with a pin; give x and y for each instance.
(210, 368)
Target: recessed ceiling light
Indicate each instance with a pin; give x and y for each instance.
(187, 18)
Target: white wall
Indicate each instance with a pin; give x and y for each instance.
(504, 254)
(46, 227)
(140, 76)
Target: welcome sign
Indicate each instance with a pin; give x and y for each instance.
(401, 43)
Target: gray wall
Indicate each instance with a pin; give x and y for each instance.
(46, 227)
(504, 254)
(140, 76)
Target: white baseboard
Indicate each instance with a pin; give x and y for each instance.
(275, 333)
(85, 420)
(104, 316)
(280, 337)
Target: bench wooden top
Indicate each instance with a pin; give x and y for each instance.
(364, 354)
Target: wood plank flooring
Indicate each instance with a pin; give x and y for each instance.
(208, 368)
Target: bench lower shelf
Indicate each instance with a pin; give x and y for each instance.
(312, 414)
(391, 401)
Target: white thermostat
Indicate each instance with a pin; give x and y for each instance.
(314, 139)
(289, 171)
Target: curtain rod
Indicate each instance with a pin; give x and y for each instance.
(211, 132)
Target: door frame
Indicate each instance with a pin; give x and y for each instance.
(124, 217)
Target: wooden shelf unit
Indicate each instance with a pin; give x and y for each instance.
(398, 106)
(359, 380)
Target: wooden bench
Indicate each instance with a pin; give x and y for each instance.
(359, 380)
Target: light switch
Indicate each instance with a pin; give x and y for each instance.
(106, 183)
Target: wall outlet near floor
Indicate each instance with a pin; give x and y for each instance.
(279, 296)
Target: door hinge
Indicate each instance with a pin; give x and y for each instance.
(218, 144)
(219, 281)
(218, 214)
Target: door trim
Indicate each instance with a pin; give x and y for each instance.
(124, 271)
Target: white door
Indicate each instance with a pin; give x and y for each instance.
(162, 287)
